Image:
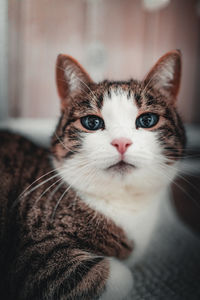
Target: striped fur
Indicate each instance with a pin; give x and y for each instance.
(57, 243)
(43, 257)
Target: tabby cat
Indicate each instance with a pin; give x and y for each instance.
(74, 218)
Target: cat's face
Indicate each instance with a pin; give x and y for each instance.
(118, 133)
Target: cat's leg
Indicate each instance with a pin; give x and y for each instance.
(119, 283)
(63, 273)
(59, 273)
(101, 278)
(105, 279)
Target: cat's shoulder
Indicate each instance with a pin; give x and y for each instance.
(8, 137)
(13, 144)
(19, 159)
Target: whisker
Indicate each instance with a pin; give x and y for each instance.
(46, 190)
(81, 81)
(34, 188)
(54, 170)
(82, 90)
(64, 193)
(27, 192)
(42, 183)
(54, 191)
(61, 142)
(58, 202)
(182, 189)
(184, 179)
(161, 159)
(148, 83)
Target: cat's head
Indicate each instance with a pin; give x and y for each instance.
(115, 134)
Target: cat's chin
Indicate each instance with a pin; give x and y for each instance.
(121, 167)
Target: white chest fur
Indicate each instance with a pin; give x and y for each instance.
(138, 221)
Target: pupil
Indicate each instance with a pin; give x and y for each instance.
(93, 123)
(147, 120)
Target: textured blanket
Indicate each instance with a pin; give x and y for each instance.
(170, 269)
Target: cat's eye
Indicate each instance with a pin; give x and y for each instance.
(92, 122)
(147, 120)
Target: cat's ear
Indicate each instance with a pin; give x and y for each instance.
(165, 75)
(71, 78)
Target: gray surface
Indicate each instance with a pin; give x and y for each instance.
(171, 269)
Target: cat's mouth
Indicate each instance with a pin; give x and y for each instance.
(121, 167)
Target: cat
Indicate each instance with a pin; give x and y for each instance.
(75, 217)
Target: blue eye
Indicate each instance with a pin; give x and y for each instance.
(92, 122)
(147, 120)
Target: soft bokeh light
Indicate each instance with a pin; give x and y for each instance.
(112, 39)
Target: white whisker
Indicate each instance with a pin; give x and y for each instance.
(54, 170)
(61, 142)
(64, 193)
(46, 190)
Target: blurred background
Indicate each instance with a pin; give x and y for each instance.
(114, 39)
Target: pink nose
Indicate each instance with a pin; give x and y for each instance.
(121, 144)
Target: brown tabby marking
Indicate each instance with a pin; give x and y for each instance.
(170, 129)
(53, 246)
(43, 257)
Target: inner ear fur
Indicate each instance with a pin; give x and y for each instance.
(165, 75)
(71, 78)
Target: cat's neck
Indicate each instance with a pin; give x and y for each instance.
(133, 205)
(136, 214)
(124, 198)
(129, 194)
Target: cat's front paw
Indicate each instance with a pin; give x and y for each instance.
(119, 283)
